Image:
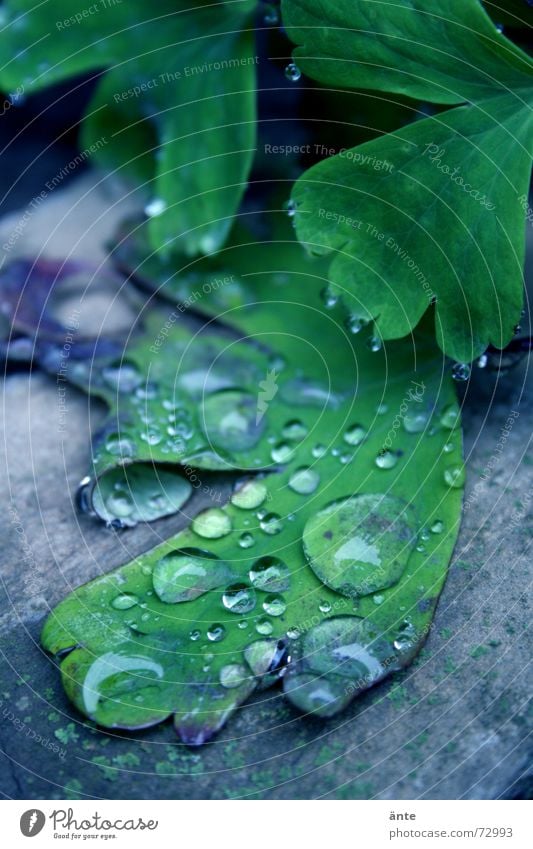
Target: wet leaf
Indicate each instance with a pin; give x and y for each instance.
(434, 212)
(324, 569)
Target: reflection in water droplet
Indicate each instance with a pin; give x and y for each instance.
(267, 658)
(355, 434)
(294, 430)
(461, 371)
(304, 481)
(329, 297)
(374, 343)
(271, 524)
(195, 635)
(233, 675)
(448, 448)
(239, 598)
(264, 626)
(360, 545)
(250, 495)
(216, 633)
(450, 417)
(270, 574)
(293, 73)
(415, 421)
(324, 607)
(120, 504)
(185, 574)
(212, 524)
(124, 602)
(455, 476)
(386, 459)
(355, 323)
(274, 605)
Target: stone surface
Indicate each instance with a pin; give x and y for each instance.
(454, 725)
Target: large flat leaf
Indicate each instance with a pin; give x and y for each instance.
(325, 568)
(432, 212)
(176, 108)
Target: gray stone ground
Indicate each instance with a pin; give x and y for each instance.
(454, 725)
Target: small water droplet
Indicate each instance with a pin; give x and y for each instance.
(292, 72)
(355, 323)
(378, 599)
(239, 598)
(448, 448)
(124, 601)
(437, 527)
(212, 524)
(381, 409)
(123, 377)
(282, 452)
(293, 633)
(270, 574)
(155, 207)
(386, 459)
(355, 434)
(294, 430)
(216, 633)
(290, 208)
(304, 481)
(195, 635)
(274, 605)
(246, 540)
(271, 17)
(264, 626)
(461, 371)
(415, 421)
(319, 451)
(374, 343)
(324, 607)
(329, 298)
(250, 495)
(455, 476)
(271, 524)
(120, 504)
(450, 417)
(482, 361)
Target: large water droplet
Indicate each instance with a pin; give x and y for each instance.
(362, 544)
(212, 524)
(304, 481)
(230, 420)
(270, 574)
(239, 598)
(250, 495)
(267, 659)
(188, 573)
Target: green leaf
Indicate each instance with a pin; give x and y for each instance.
(175, 110)
(359, 470)
(433, 212)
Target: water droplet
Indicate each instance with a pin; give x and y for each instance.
(271, 524)
(360, 545)
(293, 633)
(324, 607)
(250, 495)
(378, 599)
(270, 574)
(123, 377)
(294, 430)
(381, 409)
(448, 448)
(246, 540)
(216, 633)
(195, 635)
(499, 28)
(386, 459)
(239, 598)
(290, 208)
(125, 601)
(415, 421)
(461, 371)
(274, 605)
(282, 452)
(374, 343)
(156, 207)
(355, 323)
(233, 675)
(319, 451)
(264, 626)
(329, 298)
(482, 361)
(212, 524)
(185, 574)
(455, 476)
(450, 417)
(230, 420)
(355, 434)
(406, 634)
(271, 17)
(267, 658)
(292, 72)
(437, 527)
(304, 481)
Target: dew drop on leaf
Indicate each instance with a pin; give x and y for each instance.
(239, 598)
(386, 459)
(250, 495)
(270, 574)
(355, 434)
(454, 476)
(212, 524)
(304, 481)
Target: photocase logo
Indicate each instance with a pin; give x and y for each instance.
(269, 388)
(32, 822)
